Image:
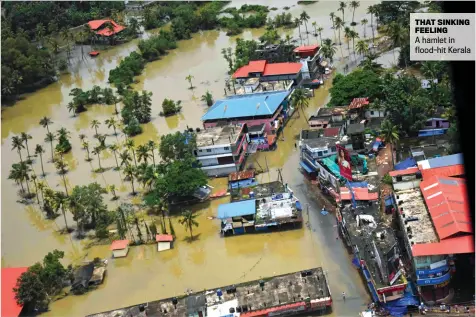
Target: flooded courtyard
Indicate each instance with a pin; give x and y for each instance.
(145, 274)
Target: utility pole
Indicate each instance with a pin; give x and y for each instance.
(267, 167)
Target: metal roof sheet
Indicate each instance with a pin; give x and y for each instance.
(458, 245)
(252, 105)
(445, 171)
(448, 160)
(447, 204)
(237, 209)
(10, 276)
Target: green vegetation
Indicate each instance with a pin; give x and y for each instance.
(63, 146)
(238, 21)
(207, 98)
(157, 45)
(170, 107)
(42, 281)
(359, 83)
(281, 20)
(96, 95)
(188, 220)
(123, 75)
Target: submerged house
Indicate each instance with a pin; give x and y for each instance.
(269, 72)
(281, 210)
(120, 248)
(164, 242)
(105, 27)
(270, 109)
(309, 57)
(221, 150)
(86, 276)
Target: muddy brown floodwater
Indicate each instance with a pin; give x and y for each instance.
(146, 274)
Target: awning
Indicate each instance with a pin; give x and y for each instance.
(305, 167)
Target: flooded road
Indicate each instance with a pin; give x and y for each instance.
(209, 262)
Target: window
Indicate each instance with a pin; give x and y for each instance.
(324, 152)
(371, 113)
(333, 149)
(209, 150)
(226, 148)
(200, 151)
(429, 123)
(319, 153)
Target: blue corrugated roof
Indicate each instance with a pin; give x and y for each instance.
(403, 165)
(448, 160)
(246, 106)
(241, 208)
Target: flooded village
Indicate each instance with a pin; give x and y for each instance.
(303, 210)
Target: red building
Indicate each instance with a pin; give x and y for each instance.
(270, 72)
(10, 275)
(101, 27)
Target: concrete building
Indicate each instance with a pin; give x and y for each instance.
(309, 57)
(375, 250)
(270, 109)
(279, 211)
(269, 72)
(433, 216)
(221, 150)
(326, 118)
(164, 242)
(304, 292)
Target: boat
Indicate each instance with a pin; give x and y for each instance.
(93, 53)
(220, 193)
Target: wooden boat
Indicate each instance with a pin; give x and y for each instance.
(93, 53)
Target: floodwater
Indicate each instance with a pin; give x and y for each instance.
(146, 274)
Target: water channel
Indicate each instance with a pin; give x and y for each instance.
(146, 274)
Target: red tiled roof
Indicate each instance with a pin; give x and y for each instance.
(10, 275)
(236, 176)
(458, 245)
(267, 69)
(331, 132)
(164, 238)
(448, 171)
(408, 171)
(119, 244)
(96, 24)
(266, 311)
(446, 200)
(359, 193)
(282, 69)
(306, 48)
(358, 103)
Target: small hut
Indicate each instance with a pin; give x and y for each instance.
(164, 242)
(120, 248)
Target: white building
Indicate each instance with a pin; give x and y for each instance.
(120, 248)
(221, 150)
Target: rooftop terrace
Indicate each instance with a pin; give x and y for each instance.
(249, 296)
(322, 142)
(218, 135)
(413, 207)
(280, 209)
(259, 191)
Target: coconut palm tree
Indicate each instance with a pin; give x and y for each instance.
(50, 137)
(354, 5)
(17, 144)
(298, 23)
(125, 158)
(39, 151)
(372, 10)
(97, 151)
(189, 79)
(189, 221)
(112, 189)
(71, 108)
(33, 178)
(339, 24)
(25, 137)
(333, 19)
(41, 188)
(304, 17)
(362, 47)
(20, 173)
(329, 49)
(61, 167)
(85, 146)
(314, 25)
(45, 122)
(347, 31)
(364, 23)
(390, 135)
(95, 124)
(61, 201)
(131, 147)
(342, 6)
(112, 123)
(114, 148)
(143, 153)
(398, 35)
(353, 35)
(207, 98)
(319, 31)
(300, 100)
(151, 145)
(129, 171)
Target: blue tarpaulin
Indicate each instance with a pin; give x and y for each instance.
(356, 262)
(298, 206)
(358, 184)
(403, 165)
(399, 307)
(238, 209)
